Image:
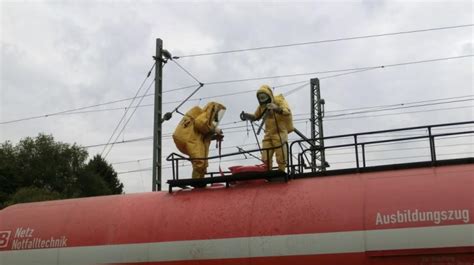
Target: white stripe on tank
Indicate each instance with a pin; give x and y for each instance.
(243, 247)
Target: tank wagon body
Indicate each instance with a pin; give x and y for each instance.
(409, 216)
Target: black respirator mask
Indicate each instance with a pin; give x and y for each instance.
(264, 98)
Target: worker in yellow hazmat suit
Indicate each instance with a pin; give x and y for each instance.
(195, 131)
(278, 123)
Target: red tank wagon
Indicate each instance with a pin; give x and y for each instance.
(420, 213)
(411, 216)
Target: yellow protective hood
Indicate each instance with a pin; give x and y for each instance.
(212, 108)
(265, 89)
(284, 118)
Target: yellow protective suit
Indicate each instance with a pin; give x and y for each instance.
(194, 132)
(277, 126)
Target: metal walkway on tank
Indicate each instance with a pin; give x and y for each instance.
(299, 166)
(225, 177)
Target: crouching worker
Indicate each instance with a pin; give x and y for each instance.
(278, 123)
(195, 131)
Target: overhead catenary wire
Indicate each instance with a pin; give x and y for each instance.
(300, 120)
(167, 135)
(212, 83)
(239, 93)
(164, 103)
(76, 109)
(361, 69)
(122, 142)
(324, 41)
(131, 161)
(331, 76)
(138, 170)
(397, 108)
(330, 118)
(253, 91)
(383, 107)
(65, 112)
(130, 104)
(355, 69)
(400, 106)
(128, 120)
(307, 73)
(400, 113)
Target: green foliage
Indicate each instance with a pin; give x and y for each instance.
(33, 194)
(91, 184)
(100, 167)
(8, 165)
(48, 164)
(43, 169)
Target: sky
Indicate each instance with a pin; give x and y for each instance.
(62, 55)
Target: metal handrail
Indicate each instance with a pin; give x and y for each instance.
(431, 137)
(401, 129)
(175, 158)
(357, 143)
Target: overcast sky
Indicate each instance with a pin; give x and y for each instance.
(60, 55)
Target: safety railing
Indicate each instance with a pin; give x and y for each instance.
(295, 157)
(224, 176)
(359, 145)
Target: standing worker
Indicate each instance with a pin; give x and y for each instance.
(195, 131)
(278, 123)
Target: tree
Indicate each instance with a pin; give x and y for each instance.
(9, 183)
(91, 184)
(99, 166)
(44, 163)
(42, 168)
(33, 194)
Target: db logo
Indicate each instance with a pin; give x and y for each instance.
(4, 237)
